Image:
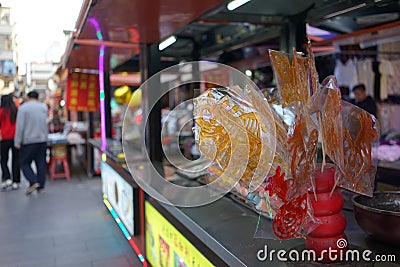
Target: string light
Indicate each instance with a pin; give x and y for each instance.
(124, 231)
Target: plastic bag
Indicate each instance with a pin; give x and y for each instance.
(292, 216)
(236, 130)
(286, 192)
(328, 109)
(293, 83)
(349, 135)
(360, 137)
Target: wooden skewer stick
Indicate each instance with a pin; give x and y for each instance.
(322, 143)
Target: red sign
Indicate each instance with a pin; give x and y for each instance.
(82, 92)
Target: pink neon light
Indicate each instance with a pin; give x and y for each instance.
(96, 25)
(102, 101)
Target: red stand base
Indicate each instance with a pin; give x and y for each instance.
(328, 240)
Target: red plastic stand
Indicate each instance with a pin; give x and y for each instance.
(328, 240)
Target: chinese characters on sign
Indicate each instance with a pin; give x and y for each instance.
(166, 246)
(82, 92)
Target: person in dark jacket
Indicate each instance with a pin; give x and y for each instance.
(8, 117)
(363, 100)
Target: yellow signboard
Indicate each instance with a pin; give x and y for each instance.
(166, 246)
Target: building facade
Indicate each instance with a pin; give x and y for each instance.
(8, 52)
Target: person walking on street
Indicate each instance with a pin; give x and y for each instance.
(31, 138)
(8, 117)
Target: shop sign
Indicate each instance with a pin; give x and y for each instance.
(120, 195)
(166, 246)
(82, 92)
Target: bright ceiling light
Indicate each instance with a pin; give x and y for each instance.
(379, 41)
(249, 73)
(334, 14)
(167, 42)
(235, 4)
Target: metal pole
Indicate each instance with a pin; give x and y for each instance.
(149, 65)
(107, 100)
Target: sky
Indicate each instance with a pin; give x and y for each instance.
(40, 23)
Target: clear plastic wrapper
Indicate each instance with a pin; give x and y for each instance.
(293, 83)
(301, 69)
(276, 140)
(241, 119)
(302, 148)
(291, 78)
(328, 108)
(348, 136)
(314, 79)
(360, 137)
(286, 197)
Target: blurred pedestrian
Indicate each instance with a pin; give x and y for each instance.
(8, 116)
(16, 99)
(345, 93)
(31, 137)
(55, 124)
(363, 100)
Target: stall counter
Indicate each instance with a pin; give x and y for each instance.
(227, 229)
(223, 231)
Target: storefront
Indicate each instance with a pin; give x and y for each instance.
(221, 233)
(371, 57)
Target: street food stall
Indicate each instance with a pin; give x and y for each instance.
(144, 39)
